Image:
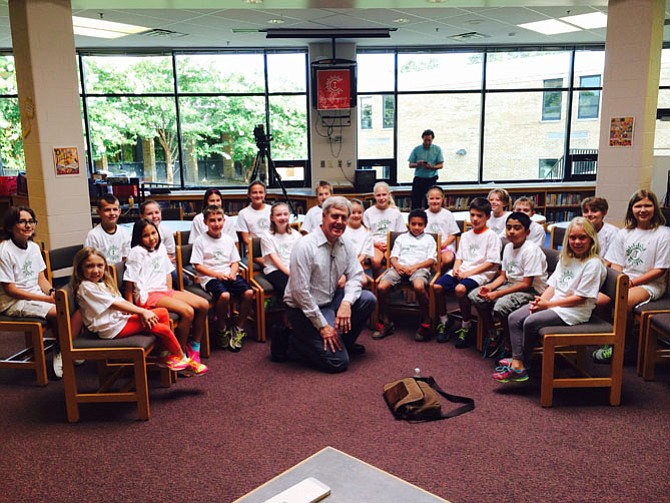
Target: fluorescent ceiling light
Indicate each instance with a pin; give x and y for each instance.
(549, 27)
(103, 29)
(588, 21)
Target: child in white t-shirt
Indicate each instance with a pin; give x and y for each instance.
(594, 209)
(499, 199)
(641, 250)
(359, 234)
(217, 262)
(313, 217)
(477, 261)
(254, 220)
(442, 221)
(413, 254)
(148, 283)
(107, 314)
(276, 247)
(537, 234)
(198, 226)
(380, 219)
(109, 237)
(522, 277)
(568, 300)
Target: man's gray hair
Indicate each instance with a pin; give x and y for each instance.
(337, 202)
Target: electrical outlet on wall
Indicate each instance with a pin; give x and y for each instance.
(322, 163)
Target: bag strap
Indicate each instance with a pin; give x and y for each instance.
(468, 403)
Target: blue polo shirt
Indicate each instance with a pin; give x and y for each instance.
(431, 155)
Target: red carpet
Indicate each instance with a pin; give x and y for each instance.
(217, 437)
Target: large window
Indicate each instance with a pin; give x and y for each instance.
(498, 114)
(188, 119)
(11, 144)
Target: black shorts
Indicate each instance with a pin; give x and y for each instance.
(236, 287)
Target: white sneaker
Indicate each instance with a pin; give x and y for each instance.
(58, 364)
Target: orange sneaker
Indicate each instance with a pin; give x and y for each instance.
(196, 368)
(174, 362)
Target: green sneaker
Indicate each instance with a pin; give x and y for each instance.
(463, 339)
(223, 338)
(442, 333)
(236, 339)
(603, 355)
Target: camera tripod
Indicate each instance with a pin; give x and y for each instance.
(264, 170)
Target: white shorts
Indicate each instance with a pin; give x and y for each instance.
(29, 309)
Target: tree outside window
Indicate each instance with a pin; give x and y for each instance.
(388, 111)
(552, 101)
(366, 114)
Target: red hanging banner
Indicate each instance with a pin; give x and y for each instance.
(333, 89)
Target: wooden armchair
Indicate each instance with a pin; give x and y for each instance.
(114, 356)
(33, 355)
(181, 237)
(263, 287)
(558, 340)
(556, 236)
(58, 262)
(407, 301)
(654, 327)
(641, 315)
(184, 268)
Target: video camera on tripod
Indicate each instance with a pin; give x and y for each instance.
(262, 140)
(264, 164)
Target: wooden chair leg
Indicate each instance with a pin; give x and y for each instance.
(70, 385)
(645, 327)
(38, 355)
(616, 374)
(205, 345)
(547, 388)
(649, 358)
(141, 386)
(260, 316)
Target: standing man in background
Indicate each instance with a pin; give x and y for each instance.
(426, 159)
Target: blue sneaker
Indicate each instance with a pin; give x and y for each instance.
(508, 374)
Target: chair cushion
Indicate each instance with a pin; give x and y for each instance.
(661, 304)
(594, 326)
(90, 341)
(15, 319)
(197, 290)
(661, 322)
(264, 283)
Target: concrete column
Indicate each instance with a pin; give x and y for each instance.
(630, 89)
(334, 162)
(46, 74)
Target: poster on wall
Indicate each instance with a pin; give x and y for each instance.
(333, 89)
(66, 160)
(621, 131)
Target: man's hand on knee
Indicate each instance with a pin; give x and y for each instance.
(343, 317)
(330, 339)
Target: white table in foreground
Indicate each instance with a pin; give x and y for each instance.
(350, 480)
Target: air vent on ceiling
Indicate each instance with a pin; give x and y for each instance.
(471, 35)
(160, 33)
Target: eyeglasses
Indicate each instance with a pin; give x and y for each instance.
(23, 221)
